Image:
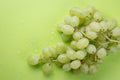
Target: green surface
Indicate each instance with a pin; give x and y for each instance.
(28, 25)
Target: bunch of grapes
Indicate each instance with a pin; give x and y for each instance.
(89, 37)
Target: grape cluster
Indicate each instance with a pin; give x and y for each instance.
(89, 37)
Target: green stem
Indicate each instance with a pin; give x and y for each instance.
(116, 41)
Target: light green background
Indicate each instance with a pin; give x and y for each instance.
(28, 25)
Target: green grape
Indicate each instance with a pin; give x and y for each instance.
(53, 52)
(66, 67)
(118, 46)
(112, 23)
(98, 16)
(80, 54)
(71, 54)
(75, 11)
(91, 49)
(77, 35)
(67, 29)
(91, 10)
(47, 68)
(46, 52)
(60, 27)
(33, 60)
(113, 49)
(103, 25)
(101, 53)
(82, 43)
(72, 20)
(62, 58)
(60, 48)
(84, 68)
(85, 52)
(94, 26)
(43, 59)
(75, 64)
(91, 35)
(116, 32)
(73, 45)
(92, 69)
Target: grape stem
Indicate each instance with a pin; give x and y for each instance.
(90, 39)
(111, 39)
(85, 35)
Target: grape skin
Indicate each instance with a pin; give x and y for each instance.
(33, 60)
(46, 68)
(95, 26)
(91, 49)
(77, 36)
(71, 54)
(62, 58)
(101, 53)
(75, 64)
(80, 54)
(72, 20)
(66, 67)
(82, 43)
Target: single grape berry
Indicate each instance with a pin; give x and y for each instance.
(66, 67)
(91, 49)
(33, 60)
(82, 43)
(91, 35)
(101, 53)
(75, 11)
(72, 20)
(47, 67)
(98, 16)
(80, 54)
(116, 32)
(95, 26)
(77, 36)
(73, 45)
(103, 25)
(70, 54)
(67, 29)
(62, 58)
(112, 23)
(60, 48)
(92, 69)
(84, 68)
(91, 10)
(75, 64)
(46, 52)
